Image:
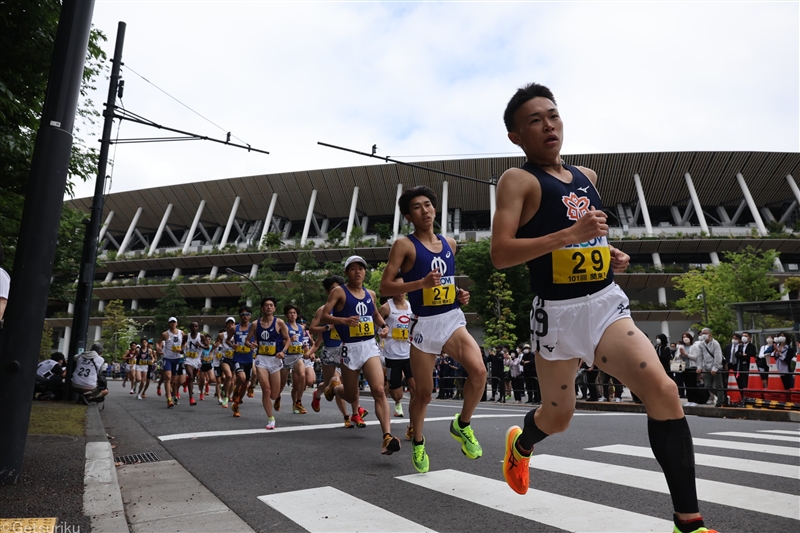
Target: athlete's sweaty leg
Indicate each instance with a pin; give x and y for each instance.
(462, 347)
(422, 368)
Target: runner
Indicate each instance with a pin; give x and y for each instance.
(206, 375)
(227, 364)
(426, 262)
(351, 309)
(293, 362)
(311, 344)
(549, 215)
(270, 336)
(330, 360)
(194, 344)
(242, 359)
(144, 358)
(127, 359)
(397, 352)
(171, 344)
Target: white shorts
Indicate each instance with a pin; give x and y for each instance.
(270, 362)
(429, 334)
(353, 355)
(193, 362)
(308, 362)
(330, 355)
(571, 329)
(290, 359)
(141, 368)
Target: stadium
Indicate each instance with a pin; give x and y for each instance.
(669, 211)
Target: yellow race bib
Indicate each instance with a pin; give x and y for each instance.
(400, 333)
(296, 347)
(444, 294)
(335, 335)
(365, 328)
(218, 355)
(191, 355)
(176, 347)
(241, 348)
(266, 348)
(579, 264)
(229, 354)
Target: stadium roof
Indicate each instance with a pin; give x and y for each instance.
(662, 174)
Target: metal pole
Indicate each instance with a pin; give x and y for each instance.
(83, 296)
(705, 307)
(33, 265)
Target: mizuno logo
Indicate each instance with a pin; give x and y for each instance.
(550, 348)
(584, 190)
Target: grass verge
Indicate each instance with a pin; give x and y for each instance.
(57, 418)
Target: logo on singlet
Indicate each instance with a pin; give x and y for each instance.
(584, 190)
(576, 206)
(361, 308)
(264, 335)
(438, 262)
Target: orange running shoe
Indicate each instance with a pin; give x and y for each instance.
(347, 422)
(315, 402)
(362, 412)
(277, 404)
(515, 465)
(170, 405)
(358, 421)
(390, 444)
(235, 409)
(251, 391)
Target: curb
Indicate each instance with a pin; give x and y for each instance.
(767, 415)
(102, 499)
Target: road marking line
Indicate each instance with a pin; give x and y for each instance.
(326, 509)
(715, 461)
(562, 512)
(740, 497)
(234, 432)
(779, 431)
(748, 447)
(744, 435)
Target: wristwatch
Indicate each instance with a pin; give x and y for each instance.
(327, 327)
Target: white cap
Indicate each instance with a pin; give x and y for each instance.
(230, 319)
(354, 259)
(171, 319)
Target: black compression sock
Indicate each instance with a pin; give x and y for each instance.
(418, 442)
(461, 423)
(531, 434)
(671, 442)
(689, 525)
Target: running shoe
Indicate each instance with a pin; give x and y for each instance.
(235, 409)
(277, 404)
(133, 391)
(251, 391)
(347, 422)
(409, 432)
(207, 390)
(138, 396)
(358, 421)
(390, 444)
(698, 530)
(201, 397)
(271, 423)
(170, 404)
(298, 409)
(419, 458)
(143, 396)
(225, 402)
(315, 402)
(178, 395)
(362, 412)
(192, 402)
(329, 392)
(515, 465)
(398, 410)
(186, 388)
(175, 399)
(158, 391)
(469, 444)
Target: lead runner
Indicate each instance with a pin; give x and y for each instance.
(549, 215)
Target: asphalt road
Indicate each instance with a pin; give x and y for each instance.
(314, 474)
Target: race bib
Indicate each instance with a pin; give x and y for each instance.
(365, 328)
(218, 355)
(242, 349)
(229, 354)
(444, 294)
(267, 348)
(400, 333)
(296, 347)
(192, 355)
(176, 347)
(207, 358)
(335, 335)
(580, 264)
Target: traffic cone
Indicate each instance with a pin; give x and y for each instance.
(796, 387)
(774, 383)
(753, 381)
(733, 390)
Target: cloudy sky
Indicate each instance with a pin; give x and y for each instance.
(430, 80)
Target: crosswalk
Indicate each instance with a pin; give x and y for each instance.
(328, 509)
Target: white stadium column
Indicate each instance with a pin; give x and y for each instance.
(268, 220)
(253, 272)
(98, 330)
(662, 292)
(160, 231)
(396, 223)
(309, 214)
(445, 194)
(190, 234)
(229, 225)
(129, 235)
(793, 186)
(492, 203)
(700, 215)
(352, 216)
(105, 226)
(752, 205)
(643, 204)
(68, 329)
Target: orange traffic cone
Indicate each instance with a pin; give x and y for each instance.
(733, 389)
(774, 383)
(796, 387)
(753, 381)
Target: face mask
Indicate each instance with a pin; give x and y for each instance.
(745, 339)
(781, 340)
(704, 337)
(673, 350)
(734, 341)
(769, 341)
(658, 342)
(686, 340)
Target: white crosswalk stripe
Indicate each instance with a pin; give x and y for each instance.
(716, 461)
(747, 447)
(543, 507)
(742, 434)
(738, 496)
(326, 509)
(779, 431)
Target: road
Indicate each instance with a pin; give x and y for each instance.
(313, 474)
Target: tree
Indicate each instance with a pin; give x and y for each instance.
(306, 291)
(46, 347)
(119, 331)
(172, 304)
(384, 230)
(742, 277)
(334, 237)
(69, 250)
(267, 281)
(27, 36)
(374, 281)
(356, 234)
(272, 241)
(499, 329)
(791, 285)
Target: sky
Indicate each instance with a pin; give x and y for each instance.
(430, 80)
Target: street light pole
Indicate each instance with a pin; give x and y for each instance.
(705, 307)
(232, 271)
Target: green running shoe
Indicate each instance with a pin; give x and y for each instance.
(469, 444)
(419, 458)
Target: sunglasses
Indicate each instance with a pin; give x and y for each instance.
(244, 314)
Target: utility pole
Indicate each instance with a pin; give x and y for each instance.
(83, 297)
(33, 265)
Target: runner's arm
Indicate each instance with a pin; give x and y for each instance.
(315, 326)
(335, 298)
(390, 286)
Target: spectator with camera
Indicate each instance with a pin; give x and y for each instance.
(50, 375)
